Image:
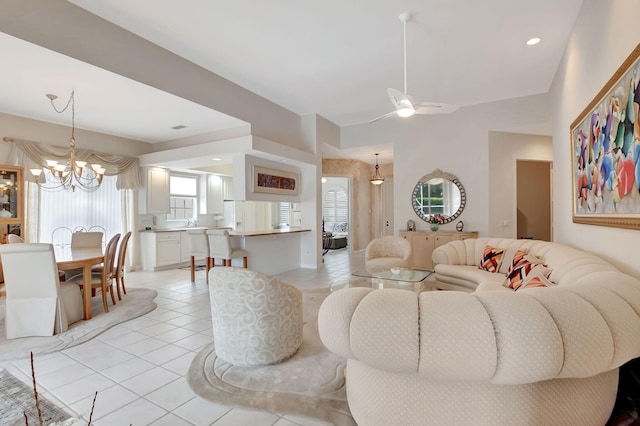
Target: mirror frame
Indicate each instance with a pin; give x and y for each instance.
(437, 173)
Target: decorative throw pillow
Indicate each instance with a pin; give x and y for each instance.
(536, 281)
(507, 259)
(491, 258)
(522, 264)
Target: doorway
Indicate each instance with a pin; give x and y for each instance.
(336, 210)
(534, 199)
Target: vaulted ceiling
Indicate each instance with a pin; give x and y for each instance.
(335, 58)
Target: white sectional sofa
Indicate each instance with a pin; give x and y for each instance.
(494, 356)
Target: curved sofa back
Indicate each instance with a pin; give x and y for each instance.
(537, 334)
(568, 264)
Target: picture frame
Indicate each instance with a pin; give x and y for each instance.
(272, 181)
(605, 140)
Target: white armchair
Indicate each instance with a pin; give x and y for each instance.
(387, 252)
(257, 318)
(37, 303)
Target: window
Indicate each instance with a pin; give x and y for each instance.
(63, 211)
(335, 206)
(429, 198)
(183, 199)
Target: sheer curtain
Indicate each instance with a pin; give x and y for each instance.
(81, 210)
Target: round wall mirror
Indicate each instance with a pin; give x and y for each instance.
(438, 193)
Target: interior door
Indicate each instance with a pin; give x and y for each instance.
(534, 199)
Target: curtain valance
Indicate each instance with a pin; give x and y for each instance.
(32, 155)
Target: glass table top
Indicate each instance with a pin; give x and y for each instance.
(406, 275)
(406, 279)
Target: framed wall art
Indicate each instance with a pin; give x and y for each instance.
(271, 181)
(605, 152)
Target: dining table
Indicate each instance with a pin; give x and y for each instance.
(81, 257)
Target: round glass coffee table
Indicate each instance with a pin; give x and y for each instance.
(406, 279)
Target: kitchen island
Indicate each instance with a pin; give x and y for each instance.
(270, 251)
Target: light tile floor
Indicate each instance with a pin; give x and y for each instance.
(139, 367)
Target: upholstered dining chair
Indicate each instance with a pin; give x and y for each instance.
(256, 318)
(37, 304)
(103, 279)
(198, 247)
(220, 248)
(387, 252)
(14, 239)
(86, 239)
(119, 269)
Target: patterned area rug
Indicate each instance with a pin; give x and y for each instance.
(17, 400)
(311, 383)
(137, 302)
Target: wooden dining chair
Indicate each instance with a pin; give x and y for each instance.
(14, 239)
(119, 269)
(102, 280)
(86, 239)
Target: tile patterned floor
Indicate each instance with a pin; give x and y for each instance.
(139, 367)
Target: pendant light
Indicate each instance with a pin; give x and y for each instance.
(377, 178)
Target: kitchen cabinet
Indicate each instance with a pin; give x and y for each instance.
(215, 195)
(424, 242)
(185, 247)
(154, 195)
(227, 188)
(160, 249)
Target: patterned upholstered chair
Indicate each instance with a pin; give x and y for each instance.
(387, 252)
(257, 318)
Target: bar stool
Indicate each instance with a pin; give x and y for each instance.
(198, 247)
(220, 248)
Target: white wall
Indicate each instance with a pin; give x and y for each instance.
(457, 143)
(604, 35)
(504, 149)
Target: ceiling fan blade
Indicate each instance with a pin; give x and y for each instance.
(399, 99)
(434, 108)
(387, 115)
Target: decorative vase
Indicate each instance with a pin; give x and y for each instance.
(434, 226)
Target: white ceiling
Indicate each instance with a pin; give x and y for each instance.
(335, 58)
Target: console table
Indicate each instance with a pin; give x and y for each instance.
(424, 242)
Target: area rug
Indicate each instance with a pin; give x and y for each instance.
(311, 383)
(137, 302)
(17, 399)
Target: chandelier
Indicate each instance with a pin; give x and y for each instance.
(71, 173)
(377, 178)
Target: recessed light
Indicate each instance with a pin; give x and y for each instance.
(216, 159)
(534, 40)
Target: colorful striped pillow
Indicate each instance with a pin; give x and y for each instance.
(491, 259)
(522, 264)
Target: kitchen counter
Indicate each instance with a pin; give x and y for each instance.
(267, 232)
(182, 229)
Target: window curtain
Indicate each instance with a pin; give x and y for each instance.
(129, 213)
(33, 155)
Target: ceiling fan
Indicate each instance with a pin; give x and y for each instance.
(404, 104)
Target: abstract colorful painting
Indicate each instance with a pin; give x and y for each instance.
(272, 181)
(605, 147)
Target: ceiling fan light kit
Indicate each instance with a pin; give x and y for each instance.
(404, 104)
